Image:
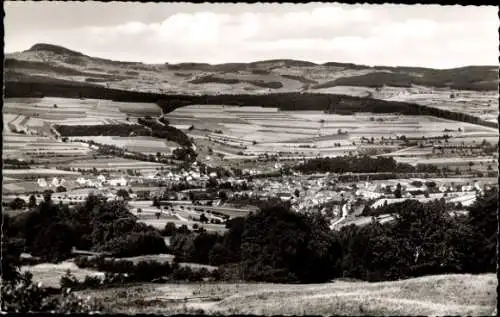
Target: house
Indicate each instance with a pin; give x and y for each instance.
(101, 179)
(467, 188)
(55, 182)
(81, 180)
(285, 196)
(368, 194)
(196, 175)
(118, 182)
(42, 182)
(413, 189)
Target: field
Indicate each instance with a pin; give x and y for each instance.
(37, 172)
(432, 295)
(143, 144)
(178, 216)
(50, 274)
(239, 132)
(117, 164)
(29, 132)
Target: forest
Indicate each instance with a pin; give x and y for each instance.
(277, 245)
(123, 130)
(363, 164)
(166, 132)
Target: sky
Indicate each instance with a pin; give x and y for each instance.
(392, 35)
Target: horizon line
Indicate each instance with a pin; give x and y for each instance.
(255, 61)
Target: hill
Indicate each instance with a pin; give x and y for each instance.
(455, 294)
(466, 94)
(280, 75)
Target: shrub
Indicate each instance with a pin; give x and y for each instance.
(169, 229)
(17, 203)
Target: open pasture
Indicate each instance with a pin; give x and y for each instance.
(270, 125)
(36, 147)
(115, 163)
(50, 274)
(450, 294)
(482, 104)
(143, 144)
(264, 128)
(446, 161)
(65, 111)
(37, 172)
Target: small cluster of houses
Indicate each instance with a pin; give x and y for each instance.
(101, 180)
(56, 182)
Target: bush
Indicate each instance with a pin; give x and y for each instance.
(68, 280)
(17, 203)
(60, 189)
(135, 244)
(169, 229)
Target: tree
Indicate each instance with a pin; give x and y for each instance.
(139, 210)
(169, 229)
(398, 192)
(54, 242)
(203, 218)
(60, 189)
(158, 215)
(223, 195)
(47, 195)
(17, 203)
(483, 222)
(219, 254)
(280, 245)
(32, 202)
(123, 193)
(297, 193)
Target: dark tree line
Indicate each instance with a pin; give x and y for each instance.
(469, 78)
(166, 132)
(15, 164)
(123, 130)
(363, 164)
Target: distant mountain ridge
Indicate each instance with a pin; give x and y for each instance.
(274, 75)
(57, 49)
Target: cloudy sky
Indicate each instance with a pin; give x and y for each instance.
(427, 35)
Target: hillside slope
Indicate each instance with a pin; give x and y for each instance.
(432, 295)
(254, 78)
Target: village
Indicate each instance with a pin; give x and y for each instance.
(172, 194)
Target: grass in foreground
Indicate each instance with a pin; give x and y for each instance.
(459, 294)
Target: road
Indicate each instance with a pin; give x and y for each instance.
(344, 215)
